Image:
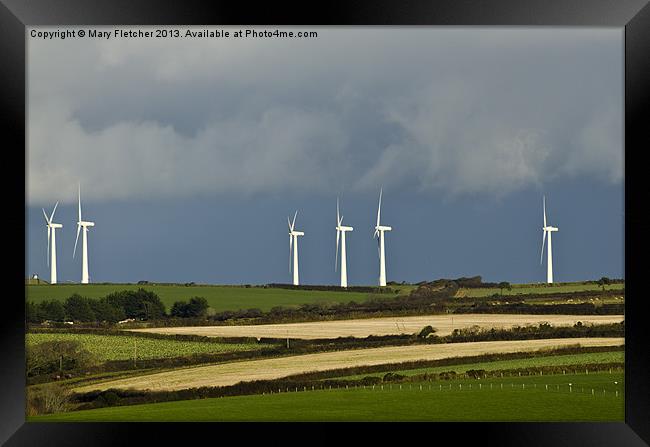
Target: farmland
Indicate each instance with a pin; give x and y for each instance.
(538, 361)
(122, 347)
(444, 324)
(546, 398)
(220, 298)
(266, 369)
(523, 289)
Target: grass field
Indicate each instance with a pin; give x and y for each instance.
(223, 298)
(444, 325)
(123, 347)
(273, 368)
(522, 289)
(551, 360)
(536, 398)
(220, 298)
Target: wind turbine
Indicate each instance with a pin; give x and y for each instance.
(340, 231)
(549, 250)
(84, 246)
(379, 233)
(293, 245)
(51, 234)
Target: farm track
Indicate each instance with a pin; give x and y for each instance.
(444, 325)
(275, 368)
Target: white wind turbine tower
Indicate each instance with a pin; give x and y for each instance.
(340, 231)
(84, 245)
(379, 233)
(51, 235)
(549, 250)
(293, 245)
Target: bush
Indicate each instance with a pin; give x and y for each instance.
(475, 373)
(426, 331)
(392, 377)
(51, 398)
(51, 356)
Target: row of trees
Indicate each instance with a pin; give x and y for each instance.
(138, 304)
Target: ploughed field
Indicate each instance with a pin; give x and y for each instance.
(532, 398)
(274, 368)
(444, 325)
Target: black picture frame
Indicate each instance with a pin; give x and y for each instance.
(633, 15)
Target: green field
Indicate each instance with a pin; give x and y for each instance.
(123, 347)
(220, 298)
(523, 289)
(536, 398)
(551, 360)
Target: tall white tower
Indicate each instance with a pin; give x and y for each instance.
(81, 224)
(340, 231)
(293, 248)
(549, 250)
(51, 243)
(379, 233)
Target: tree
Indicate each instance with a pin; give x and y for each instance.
(602, 282)
(33, 313)
(197, 307)
(141, 304)
(77, 308)
(504, 285)
(51, 310)
(179, 309)
(104, 311)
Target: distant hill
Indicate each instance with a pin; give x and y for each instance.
(34, 281)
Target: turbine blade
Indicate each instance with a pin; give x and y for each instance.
(379, 208)
(75, 241)
(79, 203)
(544, 201)
(293, 224)
(49, 229)
(289, 223)
(47, 220)
(541, 256)
(54, 211)
(336, 259)
(338, 219)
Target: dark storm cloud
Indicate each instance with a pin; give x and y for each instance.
(449, 111)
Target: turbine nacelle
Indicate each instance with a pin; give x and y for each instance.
(344, 228)
(383, 228)
(296, 233)
(550, 228)
(86, 224)
(55, 225)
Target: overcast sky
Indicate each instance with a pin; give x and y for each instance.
(192, 152)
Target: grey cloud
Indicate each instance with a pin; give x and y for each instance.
(473, 111)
